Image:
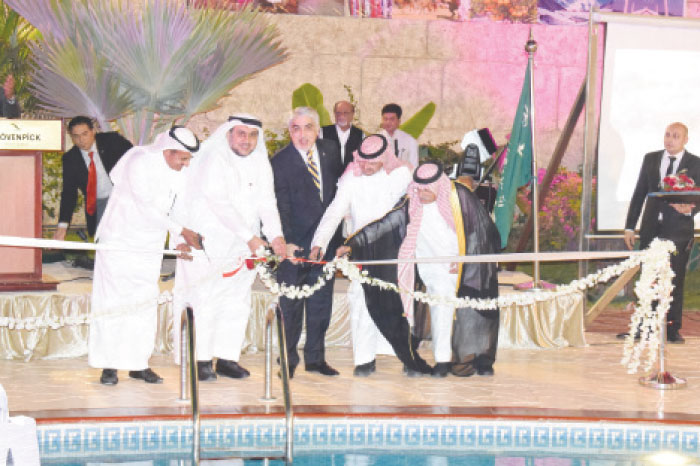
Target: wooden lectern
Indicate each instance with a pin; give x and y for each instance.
(21, 146)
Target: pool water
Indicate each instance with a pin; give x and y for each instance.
(401, 459)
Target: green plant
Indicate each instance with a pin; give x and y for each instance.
(143, 65)
(276, 141)
(308, 95)
(418, 122)
(16, 39)
(51, 185)
(442, 152)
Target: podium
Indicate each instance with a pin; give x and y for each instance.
(21, 145)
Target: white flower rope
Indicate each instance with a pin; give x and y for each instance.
(654, 285)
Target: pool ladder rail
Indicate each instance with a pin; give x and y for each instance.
(188, 371)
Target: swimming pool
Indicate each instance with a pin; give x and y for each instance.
(370, 440)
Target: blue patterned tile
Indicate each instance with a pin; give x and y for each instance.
(246, 435)
(265, 435)
(208, 436)
(112, 439)
(394, 435)
(302, 435)
(431, 436)
(652, 440)
(412, 435)
(52, 441)
(151, 438)
(73, 440)
(596, 438)
(357, 435)
(504, 436)
(523, 436)
(92, 439)
(560, 437)
(468, 436)
(228, 436)
(171, 437)
(616, 439)
(131, 437)
(540, 437)
(339, 434)
(321, 437)
(577, 437)
(375, 434)
(690, 442)
(448, 436)
(671, 440)
(635, 439)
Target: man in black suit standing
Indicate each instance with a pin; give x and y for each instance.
(86, 167)
(663, 220)
(306, 173)
(9, 106)
(346, 136)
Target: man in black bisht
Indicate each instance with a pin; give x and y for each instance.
(408, 231)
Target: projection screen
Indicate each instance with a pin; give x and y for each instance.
(651, 78)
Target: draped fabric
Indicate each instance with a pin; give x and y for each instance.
(382, 239)
(475, 333)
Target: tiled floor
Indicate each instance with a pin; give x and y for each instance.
(571, 382)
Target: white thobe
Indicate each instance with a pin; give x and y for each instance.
(437, 239)
(408, 146)
(125, 284)
(225, 202)
(365, 198)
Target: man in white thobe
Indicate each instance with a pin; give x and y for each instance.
(125, 283)
(431, 233)
(369, 188)
(230, 192)
(403, 144)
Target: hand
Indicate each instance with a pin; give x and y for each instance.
(343, 251)
(184, 250)
(685, 209)
(193, 239)
(9, 86)
(629, 239)
(316, 253)
(60, 233)
(454, 267)
(256, 243)
(291, 249)
(279, 247)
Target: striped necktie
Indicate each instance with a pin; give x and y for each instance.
(313, 169)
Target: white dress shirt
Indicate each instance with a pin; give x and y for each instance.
(104, 183)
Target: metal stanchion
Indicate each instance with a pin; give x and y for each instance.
(269, 318)
(663, 380)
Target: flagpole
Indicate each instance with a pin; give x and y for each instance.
(531, 48)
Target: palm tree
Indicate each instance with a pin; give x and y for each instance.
(16, 35)
(144, 65)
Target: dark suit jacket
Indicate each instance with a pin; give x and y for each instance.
(111, 146)
(330, 132)
(298, 202)
(675, 226)
(7, 109)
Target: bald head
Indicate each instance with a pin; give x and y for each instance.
(675, 138)
(344, 114)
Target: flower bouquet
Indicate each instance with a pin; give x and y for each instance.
(678, 188)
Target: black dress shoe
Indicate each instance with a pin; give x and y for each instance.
(441, 369)
(413, 373)
(147, 375)
(373, 365)
(624, 335)
(205, 371)
(487, 371)
(291, 370)
(364, 370)
(322, 368)
(109, 377)
(674, 337)
(231, 369)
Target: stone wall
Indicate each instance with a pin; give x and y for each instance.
(473, 71)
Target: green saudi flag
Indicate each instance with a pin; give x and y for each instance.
(517, 170)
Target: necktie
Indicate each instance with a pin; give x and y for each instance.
(671, 161)
(313, 169)
(91, 202)
(396, 147)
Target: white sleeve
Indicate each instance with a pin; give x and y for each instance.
(272, 227)
(145, 190)
(333, 215)
(412, 151)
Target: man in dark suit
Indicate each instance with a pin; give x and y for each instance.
(306, 173)
(9, 106)
(663, 220)
(346, 136)
(86, 167)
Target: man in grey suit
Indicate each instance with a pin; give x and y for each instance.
(666, 220)
(9, 105)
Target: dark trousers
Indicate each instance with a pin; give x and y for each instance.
(679, 262)
(318, 312)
